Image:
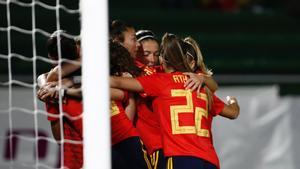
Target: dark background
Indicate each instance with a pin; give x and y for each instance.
(244, 42)
(22, 44)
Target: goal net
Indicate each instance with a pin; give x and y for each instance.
(26, 139)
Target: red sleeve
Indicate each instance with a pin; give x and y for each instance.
(217, 106)
(52, 111)
(152, 84)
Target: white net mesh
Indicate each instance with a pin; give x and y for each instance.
(25, 137)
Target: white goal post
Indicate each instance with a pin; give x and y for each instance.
(96, 119)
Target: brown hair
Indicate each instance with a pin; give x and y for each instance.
(173, 53)
(121, 61)
(195, 52)
(117, 29)
(68, 49)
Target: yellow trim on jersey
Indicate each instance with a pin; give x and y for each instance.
(170, 163)
(152, 159)
(156, 159)
(114, 109)
(146, 157)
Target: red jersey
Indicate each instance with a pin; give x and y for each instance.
(121, 127)
(184, 118)
(147, 123)
(52, 111)
(73, 112)
(148, 70)
(72, 131)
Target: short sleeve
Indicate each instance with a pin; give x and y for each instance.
(217, 106)
(152, 84)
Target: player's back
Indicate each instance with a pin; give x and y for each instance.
(184, 118)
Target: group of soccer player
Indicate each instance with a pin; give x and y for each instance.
(162, 100)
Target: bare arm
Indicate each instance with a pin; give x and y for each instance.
(130, 108)
(46, 91)
(232, 110)
(50, 90)
(74, 92)
(66, 69)
(116, 94)
(55, 128)
(195, 81)
(211, 83)
(126, 83)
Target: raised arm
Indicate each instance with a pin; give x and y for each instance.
(232, 110)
